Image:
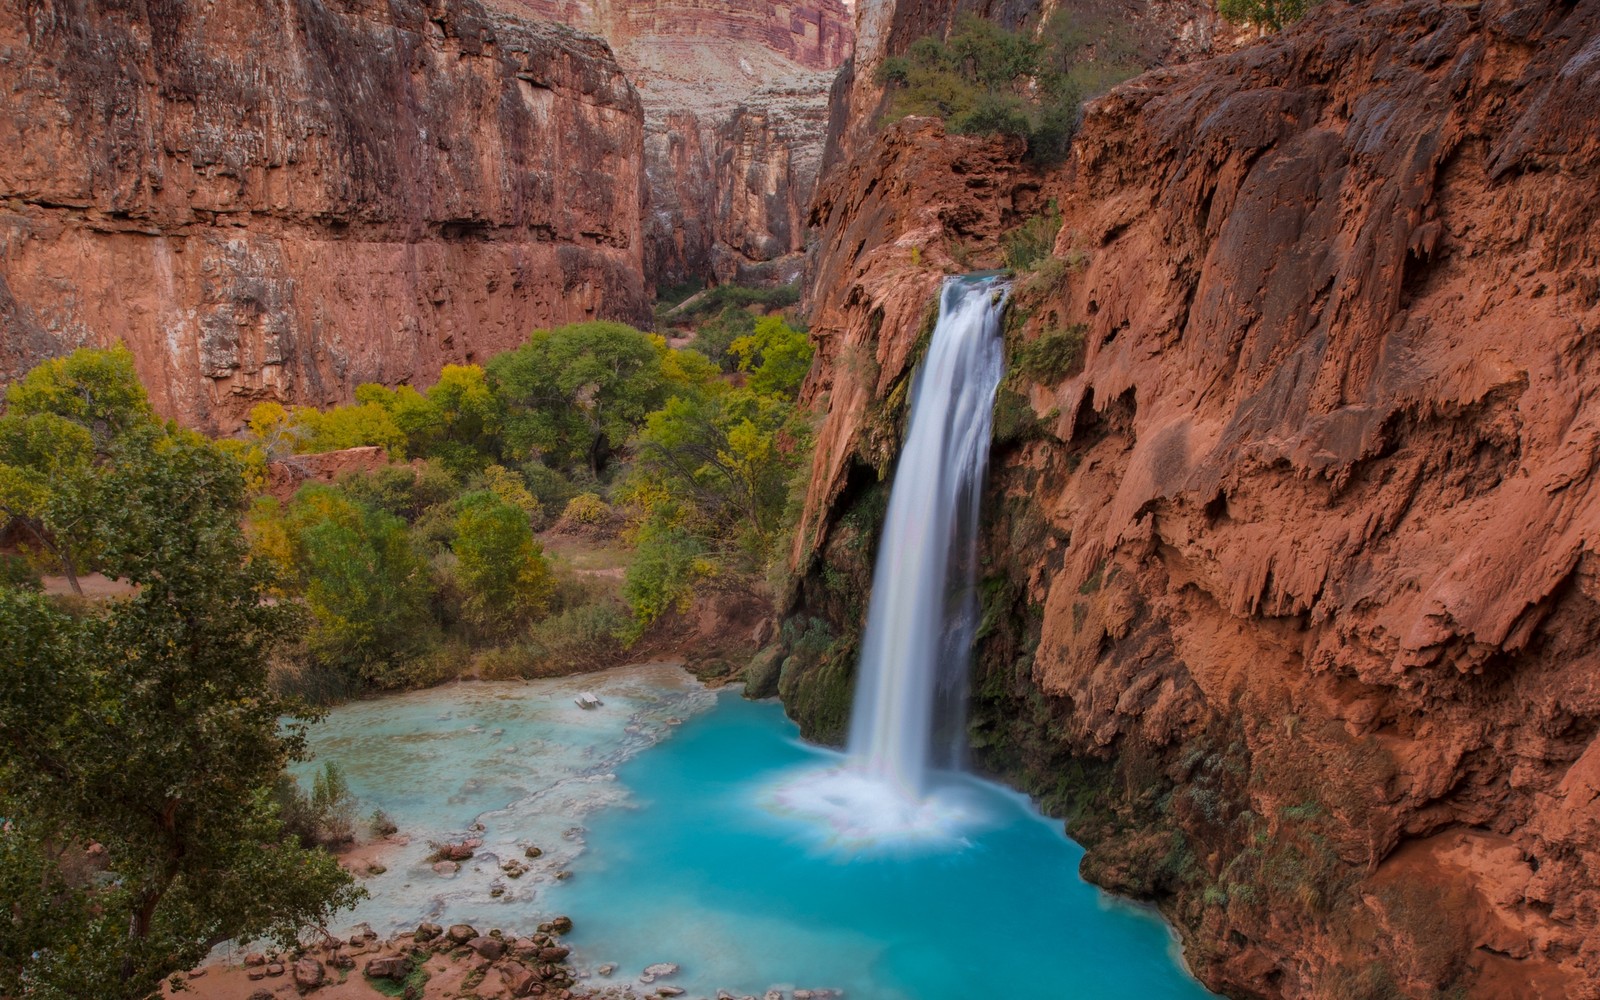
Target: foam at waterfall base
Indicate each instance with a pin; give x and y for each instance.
(851, 808)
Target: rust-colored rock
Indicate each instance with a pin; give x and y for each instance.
(281, 207)
(736, 105)
(1298, 563)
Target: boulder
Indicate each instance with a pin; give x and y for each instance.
(490, 948)
(262, 995)
(274, 969)
(461, 933)
(525, 948)
(342, 959)
(516, 976)
(309, 974)
(395, 967)
(255, 958)
(561, 925)
(427, 932)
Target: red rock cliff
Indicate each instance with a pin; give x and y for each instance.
(282, 204)
(1292, 591)
(736, 105)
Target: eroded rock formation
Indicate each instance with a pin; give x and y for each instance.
(736, 102)
(283, 204)
(1291, 592)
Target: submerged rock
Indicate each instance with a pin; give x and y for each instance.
(658, 970)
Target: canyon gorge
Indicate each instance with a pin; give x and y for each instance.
(1288, 596)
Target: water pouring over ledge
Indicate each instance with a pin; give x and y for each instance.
(908, 719)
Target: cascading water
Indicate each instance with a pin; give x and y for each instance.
(909, 711)
(921, 619)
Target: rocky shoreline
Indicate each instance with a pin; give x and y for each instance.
(434, 963)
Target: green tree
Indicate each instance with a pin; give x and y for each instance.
(667, 563)
(728, 459)
(146, 726)
(500, 567)
(62, 422)
(777, 356)
(579, 392)
(368, 590)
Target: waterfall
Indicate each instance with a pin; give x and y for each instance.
(911, 684)
(910, 705)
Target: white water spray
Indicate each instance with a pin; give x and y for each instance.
(909, 712)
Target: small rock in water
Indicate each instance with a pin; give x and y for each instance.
(533, 852)
(572, 832)
(659, 970)
(669, 991)
(773, 995)
(606, 969)
(445, 868)
(563, 875)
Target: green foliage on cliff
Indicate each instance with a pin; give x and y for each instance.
(144, 725)
(1269, 15)
(982, 79)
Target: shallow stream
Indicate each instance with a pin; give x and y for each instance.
(682, 850)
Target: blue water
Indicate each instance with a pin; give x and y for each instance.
(703, 872)
(663, 807)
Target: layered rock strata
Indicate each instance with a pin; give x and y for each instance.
(736, 105)
(1290, 593)
(283, 204)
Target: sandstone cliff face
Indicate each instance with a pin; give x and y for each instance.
(285, 203)
(1291, 590)
(736, 103)
(1145, 32)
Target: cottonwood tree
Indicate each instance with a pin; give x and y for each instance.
(139, 738)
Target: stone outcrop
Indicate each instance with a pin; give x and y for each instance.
(284, 204)
(813, 34)
(1291, 590)
(736, 106)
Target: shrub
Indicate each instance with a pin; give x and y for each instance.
(548, 486)
(585, 508)
(1029, 245)
(1051, 358)
(1268, 15)
(15, 572)
(326, 817)
(983, 79)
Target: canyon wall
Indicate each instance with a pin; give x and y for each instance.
(736, 103)
(282, 202)
(1291, 597)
